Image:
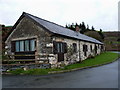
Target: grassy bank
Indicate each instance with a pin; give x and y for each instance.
(100, 59)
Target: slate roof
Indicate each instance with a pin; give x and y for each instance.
(58, 29)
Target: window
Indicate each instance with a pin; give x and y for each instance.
(59, 47)
(102, 48)
(85, 49)
(74, 47)
(65, 47)
(25, 45)
(91, 48)
(21, 45)
(32, 45)
(17, 46)
(95, 49)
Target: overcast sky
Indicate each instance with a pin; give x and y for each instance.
(99, 13)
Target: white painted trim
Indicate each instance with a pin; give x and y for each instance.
(23, 38)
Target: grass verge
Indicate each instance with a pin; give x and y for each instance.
(103, 58)
(100, 59)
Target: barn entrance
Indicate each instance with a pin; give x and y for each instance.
(60, 48)
(60, 57)
(95, 49)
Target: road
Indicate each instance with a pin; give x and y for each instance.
(105, 76)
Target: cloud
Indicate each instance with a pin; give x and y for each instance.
(99, 13)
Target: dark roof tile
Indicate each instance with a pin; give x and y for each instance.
(58, 29)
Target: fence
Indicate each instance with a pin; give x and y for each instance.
(41, 61)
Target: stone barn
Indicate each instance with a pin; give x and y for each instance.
(42, 41)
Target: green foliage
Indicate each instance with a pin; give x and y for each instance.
(116, 42)
(70, 50)
(101, 34)
(84, 29)
(100, 59)
(4, 57)
(93, 29)
(87, 27)
(66, 26)
(94, 34)
(16, 72)
(36, 72)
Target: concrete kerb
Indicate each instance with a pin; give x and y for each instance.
(70, 70)
(63, 71)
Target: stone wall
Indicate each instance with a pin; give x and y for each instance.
(70, 58)
(27, 29)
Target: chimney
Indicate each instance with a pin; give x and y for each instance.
(77, 29)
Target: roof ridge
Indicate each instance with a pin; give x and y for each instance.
(47, 20)
(62, 27)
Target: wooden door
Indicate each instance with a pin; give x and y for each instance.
(95, 49)
(60, 57)
(59, 48)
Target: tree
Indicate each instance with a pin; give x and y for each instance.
(100, 30)
(66, 26)
(80, 25)
(76, 24)
(72, 27)
(93, 29)
(101, 34)
(93, 34)
(69, 26)
(83, 28)
(87, 27)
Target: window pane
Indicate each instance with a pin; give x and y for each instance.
(21, 45)
(65, 47)
(91, 47)
(55, 51)
(58, 47)
(74, 47)
(61, 47)
(32, 45)
(26, 45)
(86, 48)
(17, 46)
